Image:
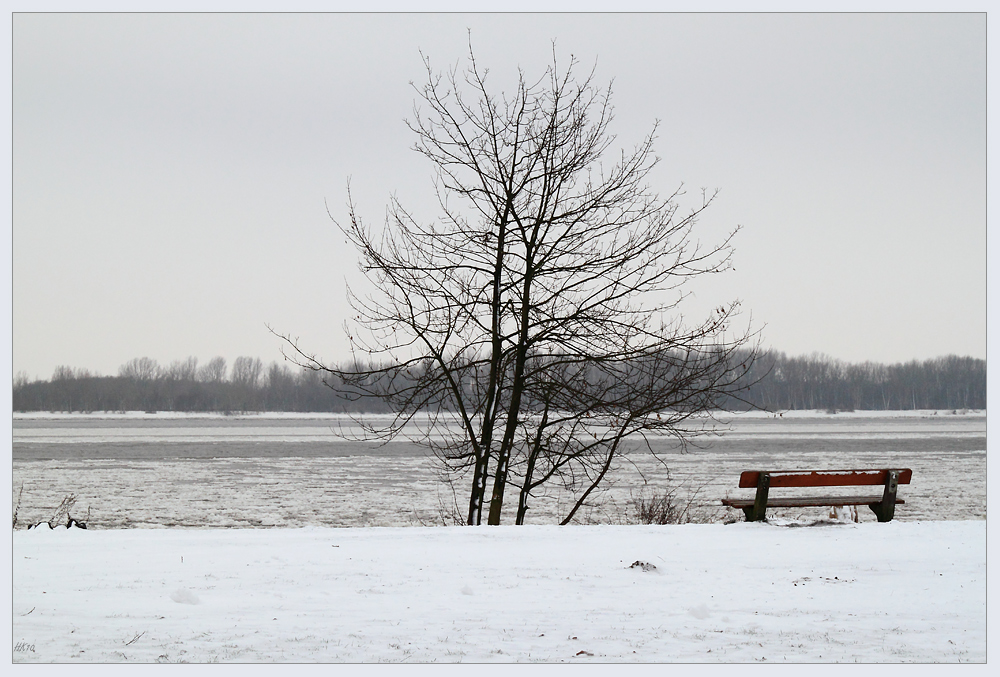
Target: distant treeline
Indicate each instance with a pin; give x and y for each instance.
(776, 383)
(820, 382)
(144, 385)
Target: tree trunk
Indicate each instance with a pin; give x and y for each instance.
(517, 387)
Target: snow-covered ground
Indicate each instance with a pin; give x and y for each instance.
(778, 592)
(792, 590)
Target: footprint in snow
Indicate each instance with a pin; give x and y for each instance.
(184, 596)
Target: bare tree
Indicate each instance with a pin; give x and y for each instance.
(534, 327)
(140, 369)
(247, 372)
(63, 373)
(183, 370)
(214, 371)
(21, 380)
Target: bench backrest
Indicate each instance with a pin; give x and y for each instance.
(823, 478)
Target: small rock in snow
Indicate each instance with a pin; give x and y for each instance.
(645, 566)
(466, 590)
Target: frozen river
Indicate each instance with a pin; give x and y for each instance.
(287, 471)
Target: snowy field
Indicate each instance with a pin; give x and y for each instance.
(273, 470)
(714, 593)
(160, 575)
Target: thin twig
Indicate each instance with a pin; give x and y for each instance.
(135, 638)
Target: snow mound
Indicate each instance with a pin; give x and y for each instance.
(184, 596)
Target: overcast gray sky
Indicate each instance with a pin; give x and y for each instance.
(170, 170)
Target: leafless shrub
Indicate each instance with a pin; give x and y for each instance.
(61, 515)
(666, 505)
(660, 507)
(448, 512)
(63, 509)
(17, 505)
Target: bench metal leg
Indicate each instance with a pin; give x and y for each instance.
(759, 509)
(885, 510)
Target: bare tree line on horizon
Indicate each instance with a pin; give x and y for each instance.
(782, 383)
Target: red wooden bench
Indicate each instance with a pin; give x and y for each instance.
(883, 506)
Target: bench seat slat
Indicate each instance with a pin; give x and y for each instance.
(807, 501)
(822, 478)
